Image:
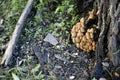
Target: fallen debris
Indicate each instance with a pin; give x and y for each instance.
(16, 33)
(42, 57)
(51, 39)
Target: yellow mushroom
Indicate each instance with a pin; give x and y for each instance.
(82, 21)
(91, 14)
(87, 35)
(77, 40)
(82, 29)
(91, 35)
(77, 45)
(73, 40)
(84, 39)
(74, 34)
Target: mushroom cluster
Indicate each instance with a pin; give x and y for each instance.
(83, 36)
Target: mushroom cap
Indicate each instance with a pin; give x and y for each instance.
(85, 42)
(91, 14)
(73, 34)
(77, 45)
(87, 35)
(83, 38)
(82, 22)
(77, 40)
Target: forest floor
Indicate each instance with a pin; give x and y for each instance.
(35, 58)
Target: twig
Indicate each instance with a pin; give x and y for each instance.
(16, 33)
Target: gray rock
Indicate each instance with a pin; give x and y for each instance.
(58, 66)
(20, 63)
(51, 39)
(102, 79)
(106, 64)
(1, 21)
(72, 77)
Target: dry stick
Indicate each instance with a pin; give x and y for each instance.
(16, 33)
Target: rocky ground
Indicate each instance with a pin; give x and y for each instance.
(45, 50)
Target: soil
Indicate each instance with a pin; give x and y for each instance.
(63, 62)
(60, 61)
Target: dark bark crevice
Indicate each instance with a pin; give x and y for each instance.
(101, 44)
(109, 25)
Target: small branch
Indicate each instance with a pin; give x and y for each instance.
(16, 33)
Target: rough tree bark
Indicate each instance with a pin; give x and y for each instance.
(109, 25)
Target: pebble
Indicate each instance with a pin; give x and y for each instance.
(1, 21)
(71, 77)
(27, 42)
(106, 64)
(51, 39)
(58, 46)
(72, 61)
(75, 54)
(20, 63)
(58, 66)
(102, 79)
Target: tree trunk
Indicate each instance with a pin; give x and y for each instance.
(109, 25)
